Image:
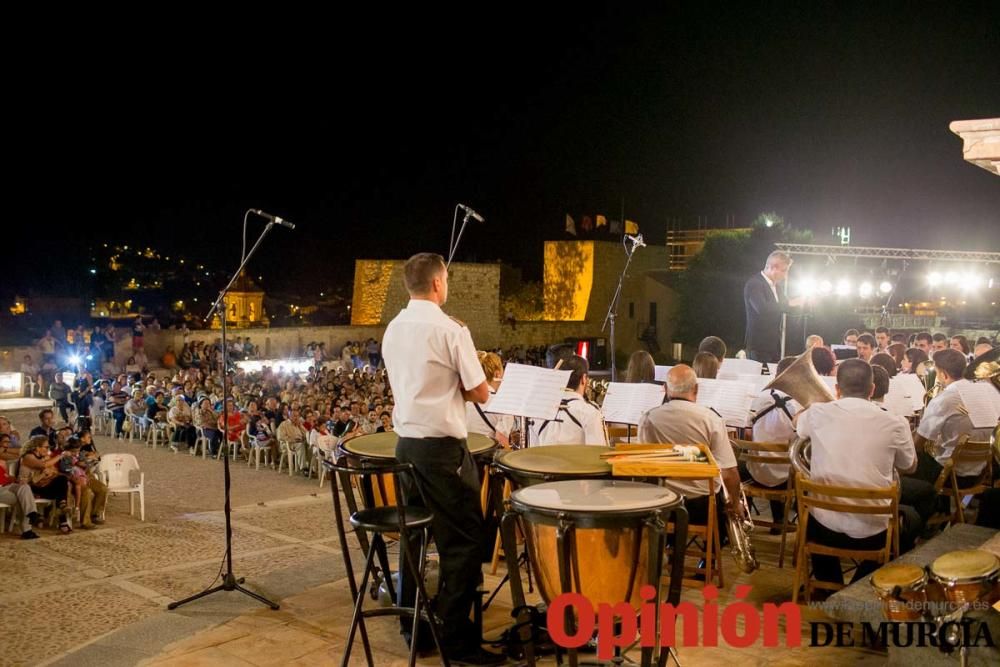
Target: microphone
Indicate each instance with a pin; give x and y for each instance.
(472, 214)
(273, 218)
(636, 240)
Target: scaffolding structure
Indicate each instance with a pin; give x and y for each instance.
(834, 252)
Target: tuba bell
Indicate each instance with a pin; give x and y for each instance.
(799, 454)
(802, 382)
(927, 373)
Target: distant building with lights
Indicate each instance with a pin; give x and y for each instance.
(244, 305)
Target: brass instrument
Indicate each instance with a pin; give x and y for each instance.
(799, 454)
(985, 367)
(595, 391)
(740, 528)
(927, 373)
(802, 382)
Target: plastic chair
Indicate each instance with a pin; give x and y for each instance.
(287, 456)
(115, 470)
(259, 449)
(378, 521)
(851, 500)
(201, 442)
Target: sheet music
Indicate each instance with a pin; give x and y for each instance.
(758, 381)
(909, 386)
(898, 404)
(661, 373)
(529, 391)
(982, 401)
(772, 369)
(852, 348)
(730, 398)
(626, 402)
(735, 367)
(831, 384)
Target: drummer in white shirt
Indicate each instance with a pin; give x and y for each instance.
(772, 422)
(855, 443)
(495, 426)
(580, 422)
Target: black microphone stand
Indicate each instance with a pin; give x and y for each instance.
(613, 307)
(229, 581)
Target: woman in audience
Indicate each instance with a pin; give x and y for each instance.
(641, 367)
(39, 469)
(207, 420)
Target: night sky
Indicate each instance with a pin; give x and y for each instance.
(365, 130)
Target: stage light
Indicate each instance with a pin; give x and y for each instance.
(885, 287)
(806, 287)
(934, 279)
(950, 278)
(971, 281)
(74, 360)
(825, 287)
(990, 285)
(843, 287)
(866, 290)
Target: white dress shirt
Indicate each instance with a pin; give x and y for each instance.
(487, 423)
(429, 357)
(770, 283)
(944, 425)
(775, 426)
(855, 443)
(579, 423)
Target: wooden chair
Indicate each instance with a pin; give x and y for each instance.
(704, 543)
(967, 451)
(769, 453)
(850, 500)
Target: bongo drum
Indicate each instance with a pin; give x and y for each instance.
(601, 538)
(548, 463)
(968, 576)
(902, 589)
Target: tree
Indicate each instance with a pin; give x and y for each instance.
(710, 290)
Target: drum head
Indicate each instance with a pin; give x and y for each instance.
(558, 460)
(373, 446)
(595, 495)
(898, 574)
(964, 566)
(383, 445)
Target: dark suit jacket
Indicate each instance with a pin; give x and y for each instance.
(763, 334)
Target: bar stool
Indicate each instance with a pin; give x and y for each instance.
(377, 521)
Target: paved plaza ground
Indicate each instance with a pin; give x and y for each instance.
(99, 597)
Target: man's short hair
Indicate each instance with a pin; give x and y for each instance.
(951, 362)
(867, 339)
(420, 271)
(556, 353)
(983, 340)
(714, 346)
(43, 412)
(778, 257)
(898, 338)
(579, 367)
(854, 377)
(784, 364)
(879, 330)
(880, 378)
(925, 336)
(812, 340)
(939, 337)
(885, 361)
(823, 360)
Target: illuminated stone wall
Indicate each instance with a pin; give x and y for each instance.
(568, 278)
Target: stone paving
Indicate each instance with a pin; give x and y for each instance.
(106, 590)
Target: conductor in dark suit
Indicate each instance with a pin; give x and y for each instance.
(765, 304)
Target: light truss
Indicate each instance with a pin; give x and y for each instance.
(909, 254)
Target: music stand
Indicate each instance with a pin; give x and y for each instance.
(229, 581)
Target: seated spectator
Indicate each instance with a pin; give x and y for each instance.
(169, 359)
(292, 433)
(6, 428)
(39, 469)
(32, 372)
(182, 419)
(205, 418)
(15, 494)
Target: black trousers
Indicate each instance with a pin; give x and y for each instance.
(827, 568)
(697, 507)
(448, 478)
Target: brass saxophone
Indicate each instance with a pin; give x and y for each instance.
(740, 528)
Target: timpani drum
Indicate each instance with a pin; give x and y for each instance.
(370, 450)
(601, 538)
(903, 591)
(968, 576)
(549, 463)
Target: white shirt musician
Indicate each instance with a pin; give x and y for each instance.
(477, 419)
(945, 421)
(855, 443)
(580, 422)
(773, 412)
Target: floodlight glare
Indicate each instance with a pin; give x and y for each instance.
(866, 290)
(951, 278)
(885, 287)
(74, 360)
(934, 279)
(971, 281)
(843, 287)
(807, 287)
(825, 287)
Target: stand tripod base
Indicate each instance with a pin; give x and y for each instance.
(229, 583)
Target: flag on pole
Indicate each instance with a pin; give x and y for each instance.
(601, 221)
(570, 225)
(615, 227)
(586, 224)
(631, 227)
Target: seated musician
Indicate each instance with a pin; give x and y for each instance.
(772, 422)
(939, 342)
(855, 443)
(824, 360)
(866, 346)
(477, 420)
(641, 367)
(883, 337)
(814, 340)
(945, 421)
(682, 421)
(713, 345)
(580, 422)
